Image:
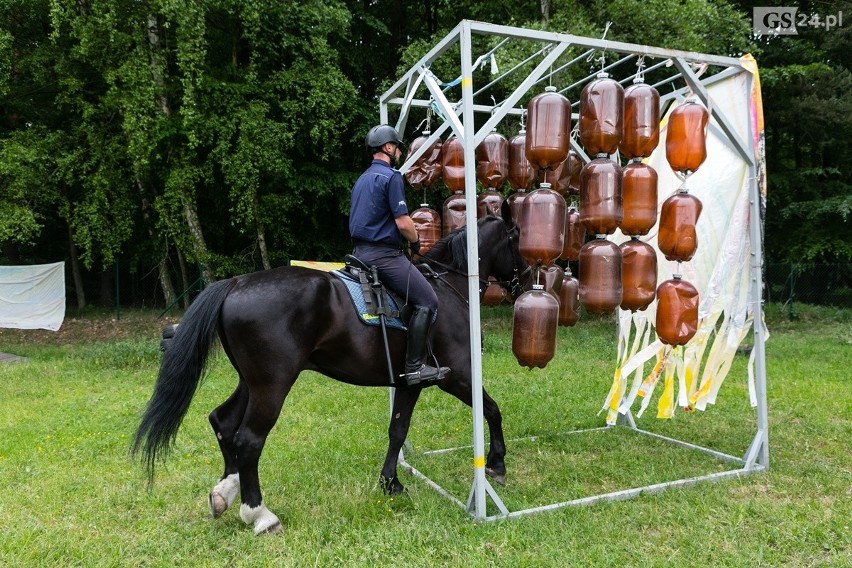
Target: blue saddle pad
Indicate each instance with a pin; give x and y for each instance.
(357, 296)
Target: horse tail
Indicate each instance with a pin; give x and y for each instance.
(181, 370)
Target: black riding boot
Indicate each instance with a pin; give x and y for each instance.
(416, 369)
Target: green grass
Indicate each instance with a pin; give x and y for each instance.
(72, 495)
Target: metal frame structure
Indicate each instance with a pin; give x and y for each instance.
(459, 117)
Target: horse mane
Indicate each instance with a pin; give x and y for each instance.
(452, 249)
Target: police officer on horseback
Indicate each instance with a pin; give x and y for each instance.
(380, 227)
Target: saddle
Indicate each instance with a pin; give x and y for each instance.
(369, 297)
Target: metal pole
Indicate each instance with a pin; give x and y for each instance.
(473, 274)
(117, 293)
(756, 237)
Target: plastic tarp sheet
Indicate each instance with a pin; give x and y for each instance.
(721, 269)
(32, 297)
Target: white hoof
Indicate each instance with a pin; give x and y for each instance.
(264, 521)
(223, 495)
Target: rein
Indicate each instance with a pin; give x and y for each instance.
(513, 285)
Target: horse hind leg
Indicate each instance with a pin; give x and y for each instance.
(264, 405)
(225, 420)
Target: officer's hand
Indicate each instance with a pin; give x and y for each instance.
(415, 247)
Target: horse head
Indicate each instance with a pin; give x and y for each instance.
(499, 252)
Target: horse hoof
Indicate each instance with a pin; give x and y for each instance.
(273, 529)
(498, 478)
(218, 505)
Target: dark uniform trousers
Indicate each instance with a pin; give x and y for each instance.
(397, 273)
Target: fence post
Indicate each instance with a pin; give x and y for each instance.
(792, 282)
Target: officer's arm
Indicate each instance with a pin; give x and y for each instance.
(406, 228)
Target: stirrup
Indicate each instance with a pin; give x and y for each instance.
(414, 378)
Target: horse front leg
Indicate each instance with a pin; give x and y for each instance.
(403, 407)
(225, 420)
(495, 465)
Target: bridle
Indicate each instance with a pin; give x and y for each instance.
(515, 285)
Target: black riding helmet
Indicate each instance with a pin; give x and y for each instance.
(380, 135)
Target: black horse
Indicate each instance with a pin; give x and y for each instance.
(276, 323)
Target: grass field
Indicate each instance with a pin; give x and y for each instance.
(73, 497)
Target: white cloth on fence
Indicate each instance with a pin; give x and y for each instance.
(32, 297)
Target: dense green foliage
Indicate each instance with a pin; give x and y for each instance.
(223, 136)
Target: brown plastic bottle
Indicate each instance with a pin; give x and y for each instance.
(639, 197)
(641, 121)
(516, 201)
(542, 226)
(488, 203)
(677, 311)
(559, 177)
(601, 207)
(454, 212)
(569, 300)
(427, 223)
(548, 129)
(686, 137)
(521, 172)
(638, 274)
(600, 276)
(426, 171)
(677, 237)
(534, 322)
(494, 293)
(575, 166)
(575, 235)
(452, 164)
(551, 277)
(601, 115)
(492, 160)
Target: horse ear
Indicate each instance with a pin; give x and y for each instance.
(506, 212)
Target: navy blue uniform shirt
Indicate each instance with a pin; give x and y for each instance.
(378, 198)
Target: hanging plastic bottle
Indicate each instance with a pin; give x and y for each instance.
(452, 164)
(638, 274)
(492, 160)
(559, 177)
(516, 202)
(600, 276)
(534, 323)
(569, 300)
(542, 226)
(575, 167)
(639, 197)
(427, 223)
(677, 238)
(426, 171)
(454, 212)
(488, 203)
(601, 207)
(575, 235)
(641, 121)
(494, 293)
(521, 172)
(552, 277)
(601, 115)
(548, 129)
(686, 137)
(677, 311)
